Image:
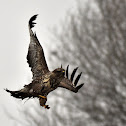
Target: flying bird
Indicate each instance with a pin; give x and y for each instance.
(43, 80)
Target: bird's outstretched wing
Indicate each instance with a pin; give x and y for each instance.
(35, 56)
(68, 83)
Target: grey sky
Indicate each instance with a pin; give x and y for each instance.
(14, 40)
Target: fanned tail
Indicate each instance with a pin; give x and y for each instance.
(17, 94)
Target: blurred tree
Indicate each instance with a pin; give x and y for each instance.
(95, 38)
(92, 37)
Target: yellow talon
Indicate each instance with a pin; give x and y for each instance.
(42, 96)
(46, 106)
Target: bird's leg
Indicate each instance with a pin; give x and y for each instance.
(42, 96)
(42, 100)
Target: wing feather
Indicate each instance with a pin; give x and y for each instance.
(73, 74)
(67, 83)
(67, 75)
(35, 56)
(77, 79)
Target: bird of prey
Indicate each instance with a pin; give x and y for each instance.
(43, 80)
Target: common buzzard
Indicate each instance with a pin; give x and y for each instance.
(44, 81)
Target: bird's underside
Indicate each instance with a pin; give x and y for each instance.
(44, 81)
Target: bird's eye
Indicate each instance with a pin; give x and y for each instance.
(60, 71)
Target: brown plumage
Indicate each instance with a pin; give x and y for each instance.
(44, 81)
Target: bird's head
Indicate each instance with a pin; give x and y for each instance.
(59, 72)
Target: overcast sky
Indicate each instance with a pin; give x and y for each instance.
(14, 40)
